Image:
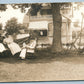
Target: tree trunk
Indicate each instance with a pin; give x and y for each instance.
(57, 22)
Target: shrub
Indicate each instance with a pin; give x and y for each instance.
(12, 26)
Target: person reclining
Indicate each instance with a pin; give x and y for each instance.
(2, 46)
(14, 47)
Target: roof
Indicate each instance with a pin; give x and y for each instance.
(38, 25)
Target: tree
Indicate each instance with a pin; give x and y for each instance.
(3, 7)
(12, 26)
(57, 23)
(21, 6)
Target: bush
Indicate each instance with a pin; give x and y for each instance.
(11, 26)
(21, 26)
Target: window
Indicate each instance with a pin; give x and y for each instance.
(46, 12)
(43, 32)
(33, 13)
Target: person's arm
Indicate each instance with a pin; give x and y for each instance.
(32, 44)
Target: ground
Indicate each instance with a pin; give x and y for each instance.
(45, 67)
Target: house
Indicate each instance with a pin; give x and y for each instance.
(43, 23)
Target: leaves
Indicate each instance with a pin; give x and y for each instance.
(12, 26)
(3, 7)
(21, 6)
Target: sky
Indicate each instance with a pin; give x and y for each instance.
(9, 13)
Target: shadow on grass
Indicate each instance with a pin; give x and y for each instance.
(45, 57)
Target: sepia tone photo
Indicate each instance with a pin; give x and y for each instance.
(41, 42)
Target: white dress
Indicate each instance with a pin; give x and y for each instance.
(31, 46)
(23, 52)
(2, 48)
(14, 47)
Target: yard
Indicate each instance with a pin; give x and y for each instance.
(45, 67)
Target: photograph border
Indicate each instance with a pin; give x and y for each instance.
(42, 1)
(36, 1)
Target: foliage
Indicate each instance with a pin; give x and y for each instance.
(21, 6)
(12, 26)
(37, 6)
(34, 7)
(3, 7)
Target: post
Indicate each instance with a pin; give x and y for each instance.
(81, 32)
(72, 10)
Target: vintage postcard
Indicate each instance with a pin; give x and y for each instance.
(41, 41)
